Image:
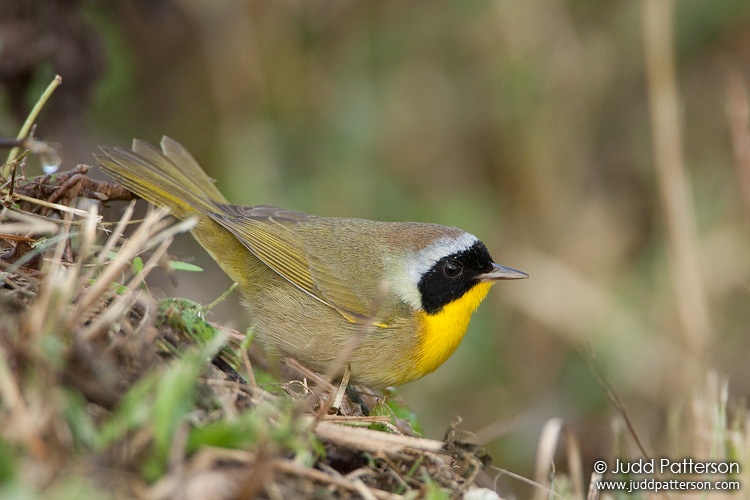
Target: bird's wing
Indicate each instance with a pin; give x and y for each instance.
(268, 232)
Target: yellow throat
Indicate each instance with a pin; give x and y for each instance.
(440, 333)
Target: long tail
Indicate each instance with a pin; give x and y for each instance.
(170, 178)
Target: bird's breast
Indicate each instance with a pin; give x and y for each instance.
(441, 332)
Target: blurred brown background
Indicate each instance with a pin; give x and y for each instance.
(525, 122)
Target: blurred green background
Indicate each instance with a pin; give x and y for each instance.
(525, 122)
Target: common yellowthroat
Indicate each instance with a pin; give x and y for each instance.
(312, 283)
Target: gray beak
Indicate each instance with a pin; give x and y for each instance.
(502, 273)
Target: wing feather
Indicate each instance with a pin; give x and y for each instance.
(268, 232)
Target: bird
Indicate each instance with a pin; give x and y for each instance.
(395, 297)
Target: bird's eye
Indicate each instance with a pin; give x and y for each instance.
(452, 269)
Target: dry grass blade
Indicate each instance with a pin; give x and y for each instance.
(614, 399)
(688, 284)
(47, 311)
(116, 234)
(122, 303)
(374, 441)
(27, 223)
(593, 493)
(21, 421)
(553, 432)
(56, 206)
(131, 248)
